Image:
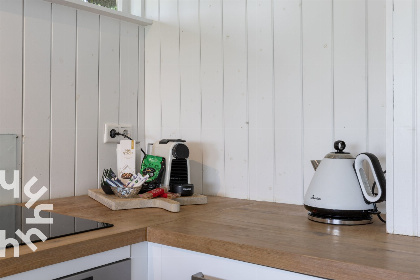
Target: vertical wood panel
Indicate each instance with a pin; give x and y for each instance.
(417, 83)
(317, 82)
(376, 39)
(350, 97)
(403, 118)
(109, 88)
(288, 100)
(189, 57)
(141, 121)
(36, 87)
(235, 98)
(212, 97)
(11, 28)
(389, 116)
(87, 98)
(152, 50)
(129, 77)
(261, 98)
(63, 126)
(170, 73)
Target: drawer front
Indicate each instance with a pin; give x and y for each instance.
(169, 263)
(120, 270)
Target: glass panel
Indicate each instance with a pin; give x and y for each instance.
(132, 7)
(13, 217)
(112, 4)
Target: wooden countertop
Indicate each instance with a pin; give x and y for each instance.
(270, 234)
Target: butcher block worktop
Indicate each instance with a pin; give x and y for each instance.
(270, 234)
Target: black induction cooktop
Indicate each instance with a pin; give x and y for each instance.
(13, 217)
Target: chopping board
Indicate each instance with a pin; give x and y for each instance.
(172, 205)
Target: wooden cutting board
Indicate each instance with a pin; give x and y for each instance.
(172, 205)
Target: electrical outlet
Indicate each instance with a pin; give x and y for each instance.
(107, 137)
(127, 129)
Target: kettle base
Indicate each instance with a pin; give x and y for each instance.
(366, 219)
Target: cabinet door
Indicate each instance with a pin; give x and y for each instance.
(169, 263)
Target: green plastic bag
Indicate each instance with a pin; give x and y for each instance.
(153, 166)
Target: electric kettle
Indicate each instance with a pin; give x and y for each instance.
(339, 192)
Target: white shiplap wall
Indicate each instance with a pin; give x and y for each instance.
(403, 127)
(63, 74)
(260, 87)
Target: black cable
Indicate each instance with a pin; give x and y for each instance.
(380, 218)
(113, 133)
(375, 209)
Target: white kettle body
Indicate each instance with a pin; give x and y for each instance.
(339, 190)
(335, 194)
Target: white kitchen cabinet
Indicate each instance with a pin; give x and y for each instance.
(73, 266)
(169, 263)
(151, 261)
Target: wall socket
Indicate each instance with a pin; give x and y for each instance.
(127, 129)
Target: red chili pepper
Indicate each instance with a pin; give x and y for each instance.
(153, 193)
(170, 195)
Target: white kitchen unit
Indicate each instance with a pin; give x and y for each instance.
(73, 266)
(151, 261)
(169, 263)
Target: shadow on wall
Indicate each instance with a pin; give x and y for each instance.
(211, 177)
(196, 166)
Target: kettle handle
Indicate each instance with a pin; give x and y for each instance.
(378, 175)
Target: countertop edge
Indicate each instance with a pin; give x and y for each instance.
(44, 257)
(303, 264)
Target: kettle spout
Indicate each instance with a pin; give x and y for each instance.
(315, 164)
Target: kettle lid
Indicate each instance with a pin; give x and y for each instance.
(339, 146)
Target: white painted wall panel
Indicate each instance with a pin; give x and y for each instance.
(317, 83)
(389, 116)
(11, 30)
(63, 124)
(261, 100)
(212, 92)
(109, 88)
(152, 51)
(417, 83)
(87, 98)
(403, 156)
(269, 65)
(350, 87)
(288, 101)
(129, 78)
(50, 69)
(376, 87)
(170, 72)
(235, 98)
(141, 122)
(36, 93)
(8, 165)
(129, 74)
(404, 110)
(190, 100)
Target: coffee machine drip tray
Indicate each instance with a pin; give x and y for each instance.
(14, 217)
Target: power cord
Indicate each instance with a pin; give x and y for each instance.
(375, 209)
(113, 133)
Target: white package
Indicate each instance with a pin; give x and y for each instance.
(126, 158)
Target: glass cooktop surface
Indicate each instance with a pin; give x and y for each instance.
(14, 217)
